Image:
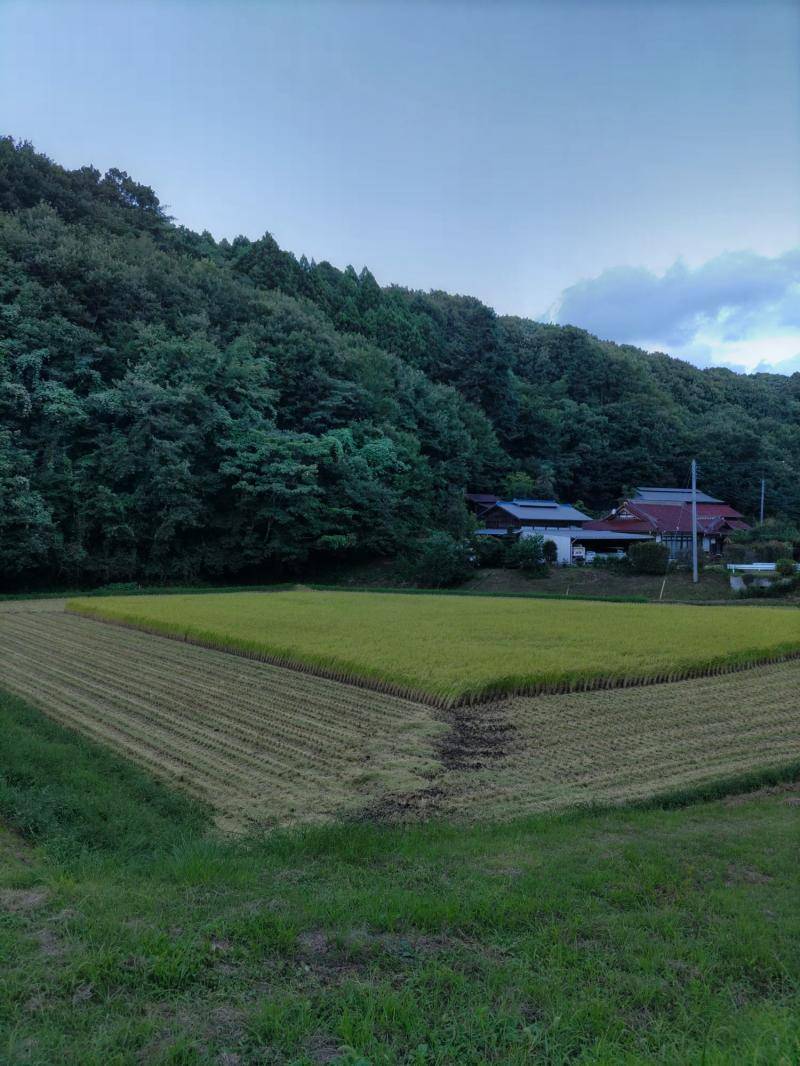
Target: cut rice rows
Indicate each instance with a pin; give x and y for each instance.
(267, 745)
(259, 743)
(631, 744)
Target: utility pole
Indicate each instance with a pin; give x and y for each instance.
(695, 577)
(763, 484)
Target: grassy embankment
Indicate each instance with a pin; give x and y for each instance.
(131, 933)
(451, 650)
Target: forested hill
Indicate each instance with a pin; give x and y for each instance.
(173, 407)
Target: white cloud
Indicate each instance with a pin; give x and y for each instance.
(738, 309)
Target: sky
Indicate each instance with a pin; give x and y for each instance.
(629, 167)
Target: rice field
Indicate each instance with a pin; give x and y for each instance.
(452, 650)
(267, 746)
(262, 745)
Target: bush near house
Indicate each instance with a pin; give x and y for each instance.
(649, 557)
(490, 551)
(550, 552)
(757, 551)
(440, 561)
(528, 555)
(786, 567)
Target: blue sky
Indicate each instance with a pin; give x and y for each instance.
(631, 167)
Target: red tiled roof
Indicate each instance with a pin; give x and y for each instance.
(631, 525)
(672, 518)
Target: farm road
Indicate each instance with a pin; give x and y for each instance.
(265, 745)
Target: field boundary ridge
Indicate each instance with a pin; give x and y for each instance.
(490, 693)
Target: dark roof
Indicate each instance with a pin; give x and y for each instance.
(542, 511)
(656, 495)
(481, 497)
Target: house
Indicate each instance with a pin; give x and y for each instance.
(561, 523)
(540, 515)
(526, 518)
(665, 514)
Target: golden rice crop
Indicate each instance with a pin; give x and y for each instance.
(451, 650)
(265, 745)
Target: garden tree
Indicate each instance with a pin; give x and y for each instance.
(489, 550)
(528, 555)
(771, 529)
(173, 406)
(649, 557)
(439, 561)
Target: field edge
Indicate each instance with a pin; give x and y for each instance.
(491, 692)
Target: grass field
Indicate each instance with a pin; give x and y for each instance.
(456, 649)
(131, 933)
(264, 745)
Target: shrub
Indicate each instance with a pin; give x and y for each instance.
(773, 529)
(440, 561)
(772, 551)
(550, 550)
(786, 567)
(762, 551)
(527, 555)
(489, 551)
(613, 561)
(649, 557)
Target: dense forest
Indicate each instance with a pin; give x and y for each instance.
(174, 407)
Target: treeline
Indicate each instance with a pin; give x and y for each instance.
(175, 407)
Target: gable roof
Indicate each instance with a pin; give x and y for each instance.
(712, 517)
(542, 511)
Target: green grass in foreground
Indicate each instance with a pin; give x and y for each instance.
(610, 938)
(452, 648)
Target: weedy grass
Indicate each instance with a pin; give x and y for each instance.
(627, 936)
(453, 650)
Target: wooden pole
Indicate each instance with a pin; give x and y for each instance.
(695, 576)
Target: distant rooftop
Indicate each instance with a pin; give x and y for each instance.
(545, 510)
(648, 494)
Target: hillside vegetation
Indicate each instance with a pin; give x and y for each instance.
(172, 406)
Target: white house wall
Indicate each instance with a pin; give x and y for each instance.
(562, 541)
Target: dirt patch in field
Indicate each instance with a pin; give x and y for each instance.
(746, 875)
(478, 737)
(19, 900)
